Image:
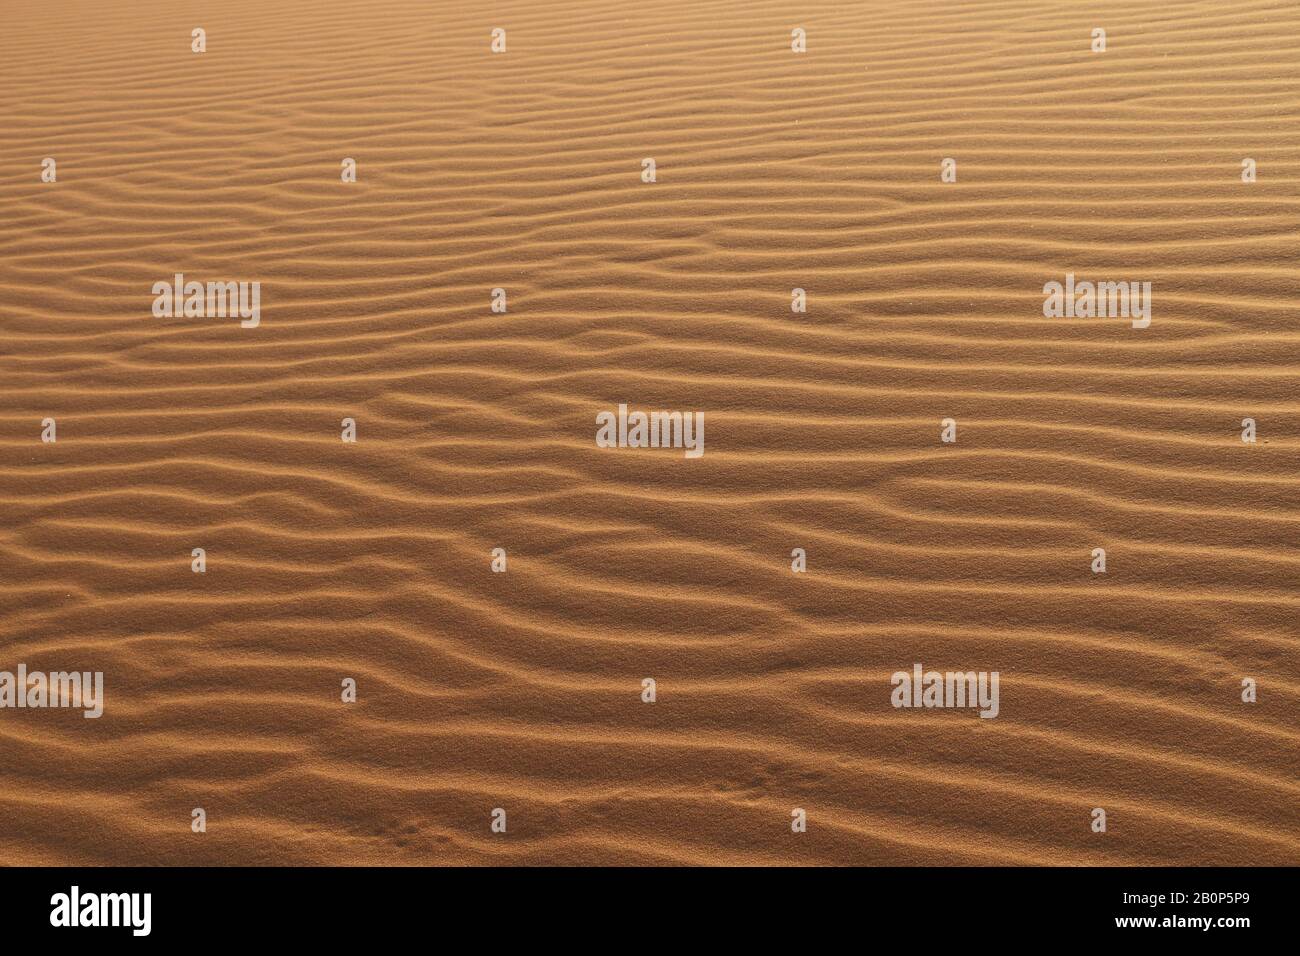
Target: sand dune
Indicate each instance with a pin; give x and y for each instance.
(522, 690)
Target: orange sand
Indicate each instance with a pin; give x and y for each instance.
(476, 430)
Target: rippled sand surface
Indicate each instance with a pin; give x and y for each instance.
(522, 690)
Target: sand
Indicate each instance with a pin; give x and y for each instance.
(522, 690)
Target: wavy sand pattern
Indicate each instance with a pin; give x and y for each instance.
(476, 431)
